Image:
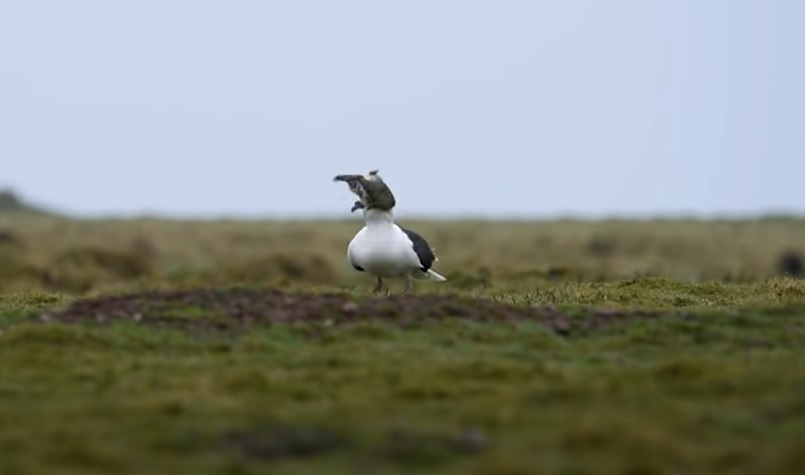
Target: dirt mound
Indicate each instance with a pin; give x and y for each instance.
(233, 308)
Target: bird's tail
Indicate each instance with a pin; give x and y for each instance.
(433, 275)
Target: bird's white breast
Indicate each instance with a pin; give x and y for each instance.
(383, 251)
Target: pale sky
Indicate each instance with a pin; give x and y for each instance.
(514, 108)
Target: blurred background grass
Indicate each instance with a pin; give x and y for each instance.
(52, 253)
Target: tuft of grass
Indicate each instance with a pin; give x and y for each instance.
(29, 301)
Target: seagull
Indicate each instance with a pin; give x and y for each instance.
(382, 248)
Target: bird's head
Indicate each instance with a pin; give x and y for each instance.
(372, 191)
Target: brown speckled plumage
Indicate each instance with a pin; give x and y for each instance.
(372, 191)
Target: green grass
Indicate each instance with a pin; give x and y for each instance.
(717, 386)
(717, 391)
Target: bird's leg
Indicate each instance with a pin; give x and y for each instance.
(379, 285)
(409, 284)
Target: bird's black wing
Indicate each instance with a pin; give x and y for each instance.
(422, 249)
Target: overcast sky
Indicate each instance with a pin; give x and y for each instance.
(527, 108)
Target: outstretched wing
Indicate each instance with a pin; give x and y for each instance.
(357, 185)
(371, 190)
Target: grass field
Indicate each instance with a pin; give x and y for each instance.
(613, 347)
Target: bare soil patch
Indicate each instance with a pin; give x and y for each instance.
(235, 308)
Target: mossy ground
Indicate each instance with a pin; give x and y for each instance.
(713, 382)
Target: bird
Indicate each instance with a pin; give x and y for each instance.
(382, 248)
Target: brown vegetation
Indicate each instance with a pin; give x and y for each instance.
(86, 256)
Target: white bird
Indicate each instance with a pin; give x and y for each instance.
(382, 248)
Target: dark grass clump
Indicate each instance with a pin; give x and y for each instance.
(311, 268)
(80, 268)
(284, 441)
(401, 446)
(9, 239)
(790, 264)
